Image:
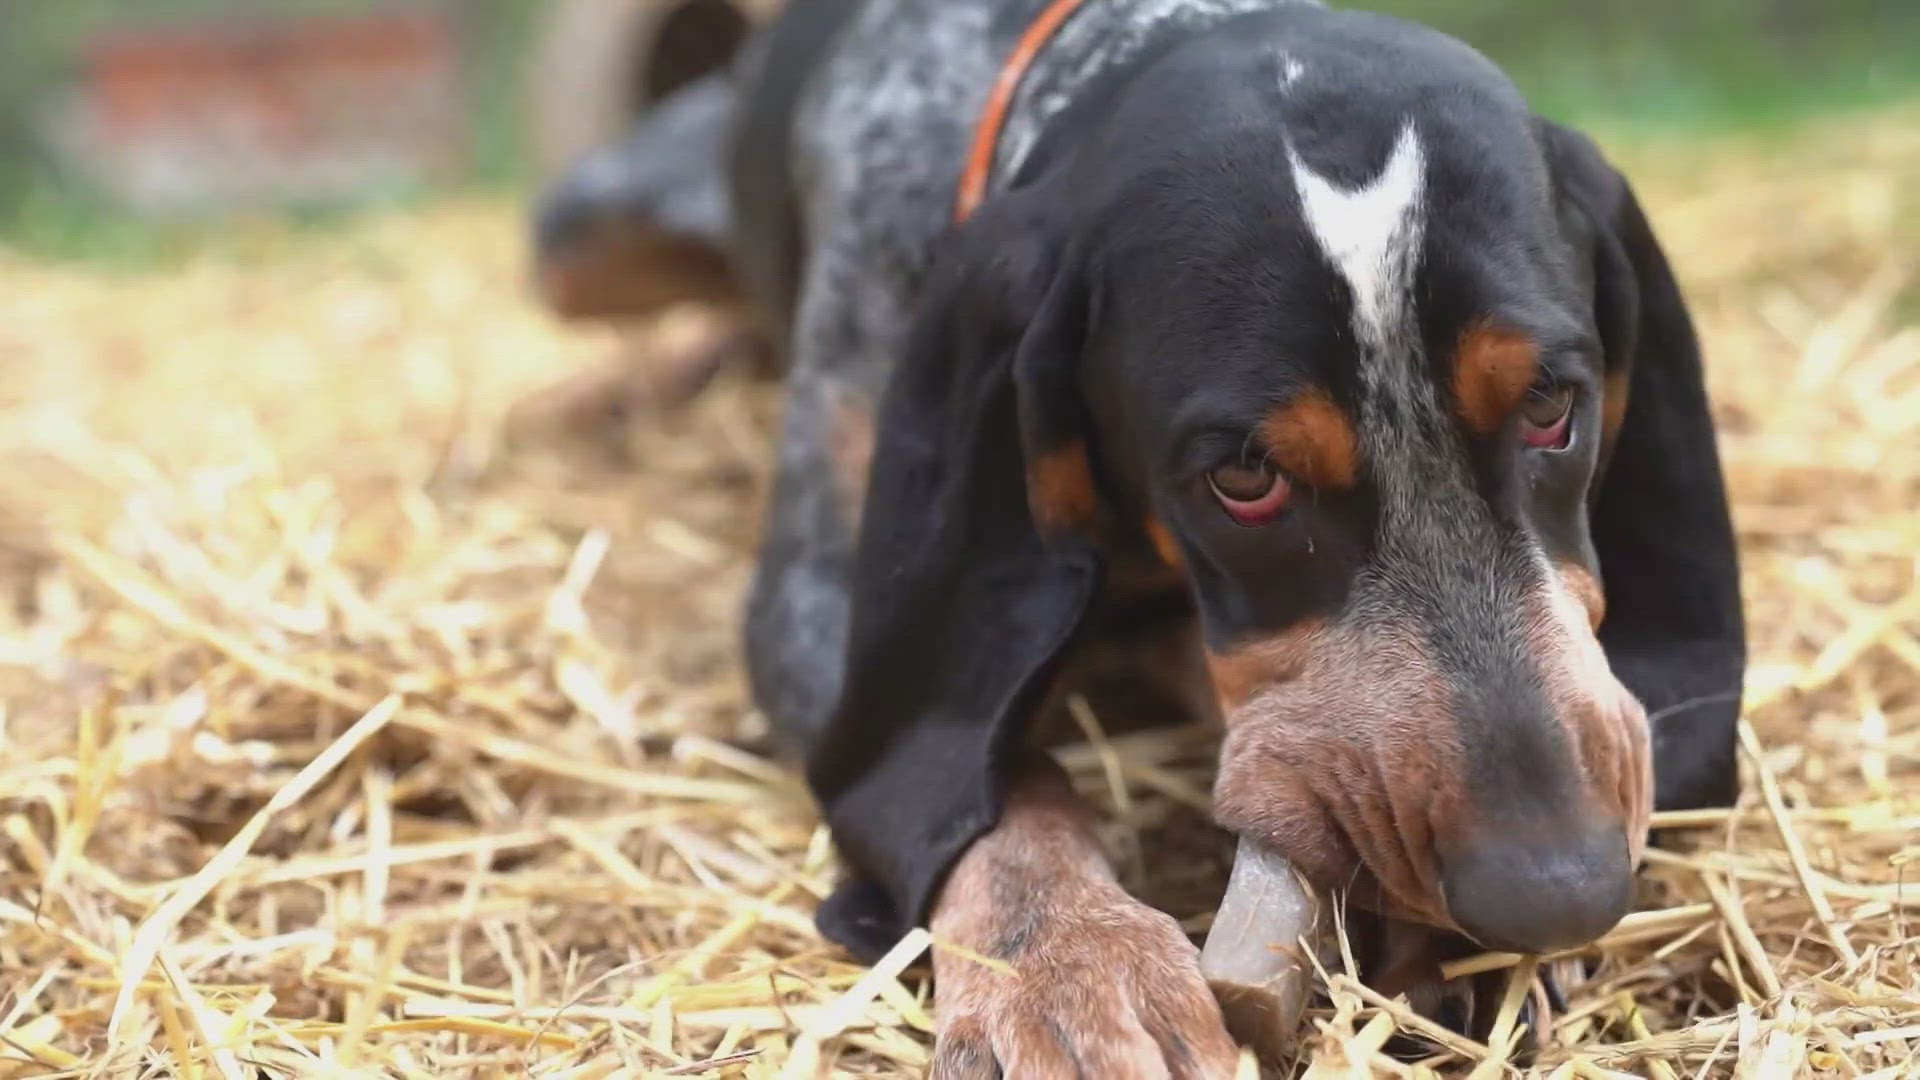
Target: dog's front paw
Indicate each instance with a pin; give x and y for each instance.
(1101, 986)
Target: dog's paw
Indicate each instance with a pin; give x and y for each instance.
(1101, 986)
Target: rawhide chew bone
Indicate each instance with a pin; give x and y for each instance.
(1253, 958)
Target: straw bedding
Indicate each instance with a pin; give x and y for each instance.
(344, 735)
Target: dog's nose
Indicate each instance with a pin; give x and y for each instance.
(1540, 890)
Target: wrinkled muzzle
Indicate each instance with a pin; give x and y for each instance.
(1497, 783)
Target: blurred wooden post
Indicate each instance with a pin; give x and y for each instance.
(598, 64)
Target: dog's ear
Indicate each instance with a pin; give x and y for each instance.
(975, 568)
(1674, 631)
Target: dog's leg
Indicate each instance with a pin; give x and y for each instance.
(635, 234)
(640, 225)
(797, 612)
(1100, 985)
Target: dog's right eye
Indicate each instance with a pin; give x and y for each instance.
(1547, 414)
(1253, 494)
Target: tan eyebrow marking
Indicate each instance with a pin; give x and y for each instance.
(1492, 369)
(1314, 441)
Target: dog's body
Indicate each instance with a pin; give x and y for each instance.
(1216, 226)
(855, 119)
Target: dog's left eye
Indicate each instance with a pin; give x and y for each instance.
(1252, 493)
(1546, 417)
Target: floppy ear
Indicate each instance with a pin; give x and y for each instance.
(1674, 631)
(974, 570)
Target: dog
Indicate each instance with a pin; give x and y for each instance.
(1275, 359)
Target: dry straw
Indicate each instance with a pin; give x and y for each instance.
(344, 736)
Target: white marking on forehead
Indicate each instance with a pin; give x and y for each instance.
(1372, 237)
(1371, 234)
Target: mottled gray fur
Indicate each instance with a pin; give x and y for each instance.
(881, 136)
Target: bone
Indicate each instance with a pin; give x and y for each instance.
(1253, 958)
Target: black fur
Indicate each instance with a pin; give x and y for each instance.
(963, 606)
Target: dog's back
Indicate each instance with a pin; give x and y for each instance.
(768, 236)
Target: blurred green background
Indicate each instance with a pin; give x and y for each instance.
(46, 209)
(1657, 65)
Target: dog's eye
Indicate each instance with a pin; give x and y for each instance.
(1252, 493)
(1546, 417)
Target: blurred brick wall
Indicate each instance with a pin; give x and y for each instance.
(257, 107)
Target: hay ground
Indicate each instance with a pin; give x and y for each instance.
(342, 738)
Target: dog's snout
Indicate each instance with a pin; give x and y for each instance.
(1534, 890)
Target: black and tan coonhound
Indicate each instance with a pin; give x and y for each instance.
(1251, 361)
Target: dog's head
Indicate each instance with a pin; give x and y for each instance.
(1389, 369)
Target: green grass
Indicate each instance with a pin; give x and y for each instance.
(1684, 68)
(47, 212)
(1690, 65)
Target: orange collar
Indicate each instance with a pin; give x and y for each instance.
(986, 137)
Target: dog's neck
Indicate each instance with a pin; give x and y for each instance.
(1100, 38)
